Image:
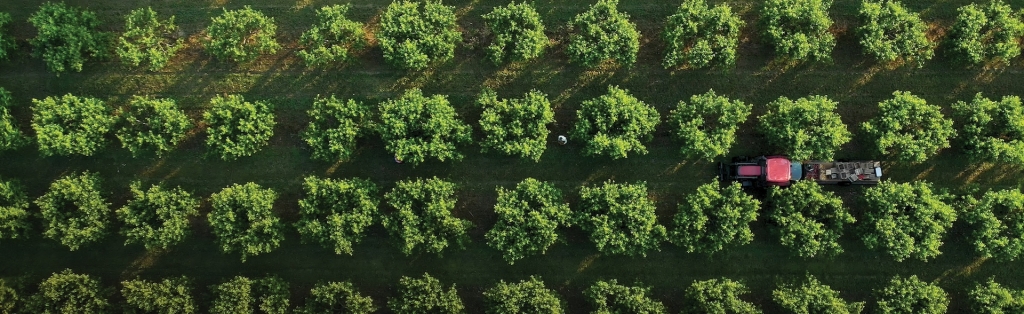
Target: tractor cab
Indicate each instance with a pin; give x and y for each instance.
(762, 171)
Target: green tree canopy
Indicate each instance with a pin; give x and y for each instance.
(69, 293)
(168, 296)
(242, 295)
(71, 125)
(907, 128)
(798, 29)
(992, 130)
(986, 33)
(805, 128)
(67, 36)
(11, 137)
(698, 35)
(891, 33)
(620, 219)
(811, 296)
(14, 212)
(147, 40)
(911, 295)
(528, 219)
(333, 38)
(157, 218)
(7, 41)
(336, 213)
(336, 297)
(517, 127)
(243, 220)
(238, 128)
(609, 297)
(422, 218)
(615, 124)
(426, 295)
(718, 296)
(714, 218)
(518, 33)
(997, 221)
(415, 37)
(906, 220)
(993, 298)
(415, 127)
(241, 35)
(152, 125)
(11, 299)
(74, 211)
(706, 127)
(335, 126)
(603, 33)
(524, 297)
(808, 220)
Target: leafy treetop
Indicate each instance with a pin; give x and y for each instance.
(986, 33)
(168, 296)
(11, 137)
(244, 295)
(527, 296)
(333, 38)
(241, 35)
(615, 124)
(74, 211)
(14, 211)
(415, 127)
(71, 125)
(336, 297)
(422, 218)
(152, 125)
(67, 37)
(147, 39)
(808, 219)
(243, 220)
(603, 33)
(714, 218)
(335, 126)
(706, 127)
(911, 295)
(806, 128)
(517, 127)
(528, 219)
(336, 213)
(907, 220)
(518, 33)
(238, 128)
(620, 219)
(415, 37)
(608, 297)
(425, 295)
(157, 218)
(992, 130)
(891, 33)
(69, 293)
(907, 128)
(813, 297)
(799, 28)
(718, 296)
(698, 35)
(998, 224)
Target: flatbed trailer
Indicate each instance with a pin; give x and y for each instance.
(766, 171)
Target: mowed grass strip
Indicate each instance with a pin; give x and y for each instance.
(194, 77)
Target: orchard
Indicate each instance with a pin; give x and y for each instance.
(493, 156)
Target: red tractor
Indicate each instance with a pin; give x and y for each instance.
(766, 171)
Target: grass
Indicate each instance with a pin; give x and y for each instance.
(194, 77)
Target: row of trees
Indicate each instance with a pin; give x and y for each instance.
(903, 220)
(70, 292)
(418, 35)
(417, 127)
